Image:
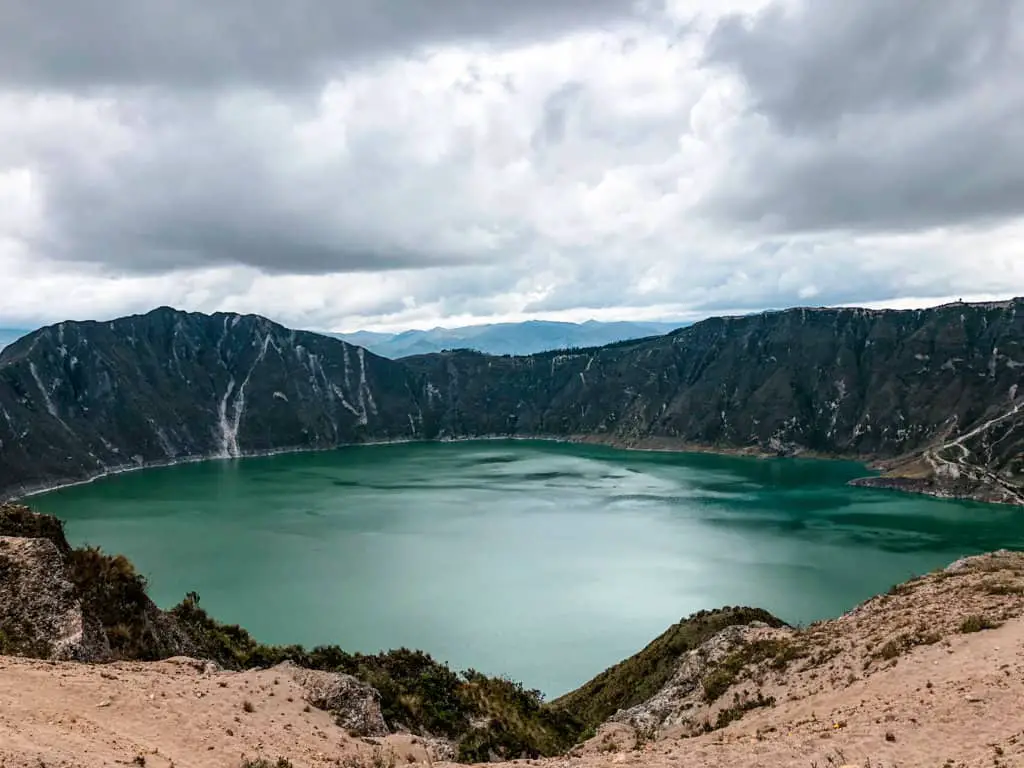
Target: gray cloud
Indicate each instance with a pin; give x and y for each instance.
(331, 166)
(826, 59)
(881, 116)
(192, 43)
(195, 184)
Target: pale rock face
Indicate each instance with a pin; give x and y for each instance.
(681, 701)
(39, 611)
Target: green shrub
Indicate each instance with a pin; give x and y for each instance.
(18, 521)
(112, 592)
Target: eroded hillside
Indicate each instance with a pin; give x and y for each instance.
(934, 394)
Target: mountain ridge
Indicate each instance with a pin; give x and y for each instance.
(932, 395)
(10, 335)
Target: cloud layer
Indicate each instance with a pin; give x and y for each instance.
(372, 165)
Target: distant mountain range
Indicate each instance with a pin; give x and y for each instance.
(525, 338)
(10, 335)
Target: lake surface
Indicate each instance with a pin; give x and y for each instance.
(541, 561)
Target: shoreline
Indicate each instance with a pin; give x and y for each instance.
(654, 445)
(880, 482)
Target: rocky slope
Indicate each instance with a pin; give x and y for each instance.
(931, 673)
(81, 399)
(934, 395)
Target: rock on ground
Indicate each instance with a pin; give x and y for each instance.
(354, 704)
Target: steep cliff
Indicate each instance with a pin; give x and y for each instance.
(81, 399)
(935, 395)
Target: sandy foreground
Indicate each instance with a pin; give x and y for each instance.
(958, 701)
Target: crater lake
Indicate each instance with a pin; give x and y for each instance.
(545, 562)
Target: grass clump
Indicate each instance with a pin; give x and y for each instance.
(891, 649)
(262, 762)
(897, 646)
(376, 759)
(741, 707)
(1003, 588)
(18, 521)
(977, 624)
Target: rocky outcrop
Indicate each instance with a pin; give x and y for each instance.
(683, 701)
(83, 605)
(935, 395)
(40, 611)
(354, 705)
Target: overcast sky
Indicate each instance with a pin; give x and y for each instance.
(408, 163)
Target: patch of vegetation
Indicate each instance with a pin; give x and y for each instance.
(779, 652)
(518, 722)
(229, 645)
(891, 649)
(18, 521)
(639, 677)
(902, 643)
(930, 637)
(262, 762)
(824, 656)
(1003, 588)
(904, 588)
(977, 624)
(741, 707)
(377, 759)
(112, 592)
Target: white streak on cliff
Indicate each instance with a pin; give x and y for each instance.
(228, 440)
(238, 406)
(365, 395)
(47, 400)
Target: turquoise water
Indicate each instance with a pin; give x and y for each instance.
(542, 561)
